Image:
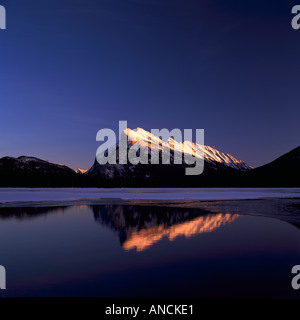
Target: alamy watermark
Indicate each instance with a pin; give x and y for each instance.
(2, 278)
(138, 153)
(296, 279)
(296, 20)
(2, 18)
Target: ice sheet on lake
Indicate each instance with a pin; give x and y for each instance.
(11, 195)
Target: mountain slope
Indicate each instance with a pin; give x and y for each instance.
(282, 172)
(34, 172)
(80, 171)
(218, 166)
(211, 154)
(220, 169)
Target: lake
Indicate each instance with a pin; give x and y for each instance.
(192, 249)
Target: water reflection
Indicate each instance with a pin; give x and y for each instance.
(22, 213)
(75, 251)
(140, 227)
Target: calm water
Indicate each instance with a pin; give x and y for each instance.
(231, 249)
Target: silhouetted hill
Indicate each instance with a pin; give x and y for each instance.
(282, 172)
(34, 172)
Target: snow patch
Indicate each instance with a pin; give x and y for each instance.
(9, 195)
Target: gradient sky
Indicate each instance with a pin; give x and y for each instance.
(69, 68)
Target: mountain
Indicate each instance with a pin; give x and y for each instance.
(219, 167)
(80, 171)
(34, 172)
(139, 227)
(282, 172)
(146, 139)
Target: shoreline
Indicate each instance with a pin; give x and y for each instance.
(21, 197)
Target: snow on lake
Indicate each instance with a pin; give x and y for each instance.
(9, 195)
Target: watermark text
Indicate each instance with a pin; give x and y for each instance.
(141, 147)
(2, 278)
(2, 18)
(296, 18)
(296, 279)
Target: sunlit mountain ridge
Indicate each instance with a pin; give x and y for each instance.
(140, 227)
(148, 140)
(143, 239)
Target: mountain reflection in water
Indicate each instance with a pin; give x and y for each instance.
(140, 227)
(152, 249)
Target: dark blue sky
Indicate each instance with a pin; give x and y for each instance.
(70, 68)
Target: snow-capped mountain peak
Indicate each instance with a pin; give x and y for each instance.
(146, 139)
